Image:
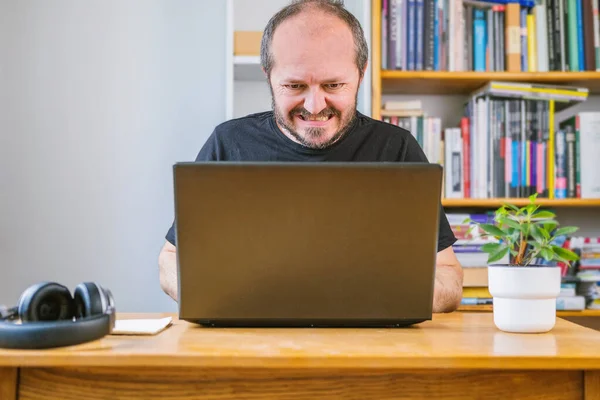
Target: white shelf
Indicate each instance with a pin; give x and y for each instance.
(253, 60)
(247, 68)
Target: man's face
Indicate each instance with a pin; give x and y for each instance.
(314, 81)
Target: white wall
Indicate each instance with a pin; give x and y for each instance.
(98, 99)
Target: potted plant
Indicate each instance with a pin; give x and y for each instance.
(525, 290)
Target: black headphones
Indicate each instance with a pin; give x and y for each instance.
(50, 317)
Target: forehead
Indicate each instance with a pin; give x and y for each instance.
(313, 43)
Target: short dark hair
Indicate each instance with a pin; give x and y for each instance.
(333, 7)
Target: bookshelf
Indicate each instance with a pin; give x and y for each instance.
(443, 83)
(443, 95)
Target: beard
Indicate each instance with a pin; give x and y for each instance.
(310, 137)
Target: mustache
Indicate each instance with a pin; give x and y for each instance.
(326, 112)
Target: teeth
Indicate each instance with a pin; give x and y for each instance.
(318, 118)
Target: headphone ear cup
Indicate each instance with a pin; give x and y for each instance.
(90, 300)
(46, 301)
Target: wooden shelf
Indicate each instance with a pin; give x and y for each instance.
(444, 82)
(574, 313)
(493, 203)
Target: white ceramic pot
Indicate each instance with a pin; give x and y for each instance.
(524, 297)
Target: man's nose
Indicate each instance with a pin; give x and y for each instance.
(314, 102)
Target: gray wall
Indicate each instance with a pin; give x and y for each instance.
(98, 99)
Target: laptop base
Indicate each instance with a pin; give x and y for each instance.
(283, 323)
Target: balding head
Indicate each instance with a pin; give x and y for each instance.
(308, 14)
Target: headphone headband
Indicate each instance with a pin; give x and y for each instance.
(43, 335)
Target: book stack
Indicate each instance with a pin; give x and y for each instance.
(425, 128)
(577, 150)
(507, 144)
(584, 274)
(569, 299)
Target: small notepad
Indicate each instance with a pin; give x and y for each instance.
(141, 326)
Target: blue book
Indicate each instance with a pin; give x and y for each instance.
(479, 40)
(580, 51)
(523, 3)
(514, 179)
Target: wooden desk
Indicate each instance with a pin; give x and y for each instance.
(459, 355)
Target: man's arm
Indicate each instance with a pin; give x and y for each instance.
(167, 269)
(448, 282)
(447, 289)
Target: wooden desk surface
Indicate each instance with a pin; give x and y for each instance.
(457, 340)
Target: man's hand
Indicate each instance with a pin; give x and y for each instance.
(448, 282)
(167, 267)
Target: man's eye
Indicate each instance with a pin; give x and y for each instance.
(294, 86)
(333, 85)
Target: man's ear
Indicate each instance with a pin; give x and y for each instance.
(364, 71)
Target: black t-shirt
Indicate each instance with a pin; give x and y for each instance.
(257, 137)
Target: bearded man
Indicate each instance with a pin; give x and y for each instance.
(314, 56)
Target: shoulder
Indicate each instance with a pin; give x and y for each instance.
(382, 129)
(391, 140)
(230, 136)
(393, 136)
(243, 125)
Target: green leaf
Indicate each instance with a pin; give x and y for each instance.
(492, 229)
(566, 230)
(526, 227)
(512, 207)
(544, 214)
(558, 258)
(512, 223)
(547, 253)
(537, 233)
(564, 253)
(533, 197)
(498, 255)
(548, 224)
(491, 247)
(531, 208)
(501, 211)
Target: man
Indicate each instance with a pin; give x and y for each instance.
(314, 56)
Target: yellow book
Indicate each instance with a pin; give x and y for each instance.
(481, 292)
(531, 44)
(583, 94)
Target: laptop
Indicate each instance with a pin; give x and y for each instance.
(286, 244)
